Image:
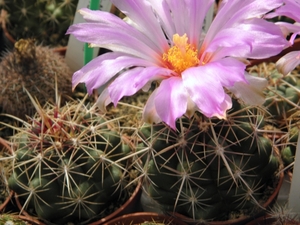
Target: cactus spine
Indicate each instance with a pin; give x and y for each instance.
(283, 105)
(69, 163)
(208, 168)
(45, 20)
(32, 68)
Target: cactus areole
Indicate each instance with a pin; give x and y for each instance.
(209, 169)
(69, 165)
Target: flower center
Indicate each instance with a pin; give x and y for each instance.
(182, 55)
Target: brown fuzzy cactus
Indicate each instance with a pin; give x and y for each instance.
(33, 68)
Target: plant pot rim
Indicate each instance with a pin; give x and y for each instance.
(139, 217)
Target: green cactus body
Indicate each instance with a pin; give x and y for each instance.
(289, 150)
(282, 93)
(45, 20)
(35, 69)
(70, 164)
(208, 168)
(282, 105)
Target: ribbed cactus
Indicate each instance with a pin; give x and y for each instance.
(209, 168)
(33, 68)
(45, 20)
(282, 215)
(70, 164)
(289, 147)
(283, 106)
(282, 93)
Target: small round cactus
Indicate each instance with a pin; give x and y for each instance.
(70, 164)
(282, 106)
(209, 168)
(45, 20)
(282, 93)
(34, 69)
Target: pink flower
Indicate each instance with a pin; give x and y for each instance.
(291, 9)
(166, 44)
(288, 62)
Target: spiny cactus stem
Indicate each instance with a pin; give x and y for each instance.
(6, 145)
(167, 149)
(220, 153)
(26, 202)
(250, 192)
(179, 192)
(284, 98)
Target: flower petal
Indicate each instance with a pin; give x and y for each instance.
(149, 112)
(171, 100)
(268, 38)
(165, 17)
(255, 38)
(90, 72)
(104, 67)
(206, 91)
(288, 62)
(288, 28)
(145, 20)
(232, 12)
(133, 80)
(103, 100)
(290, 9)
(110, 20)
(227, 71)
(196, 11)
(252, 92)
(104, 36)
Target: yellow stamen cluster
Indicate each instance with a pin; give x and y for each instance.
(182, 55)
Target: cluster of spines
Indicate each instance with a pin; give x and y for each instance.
(208, 167)
(69, 163)
(38, 19)
(33, 68)
(282, 105)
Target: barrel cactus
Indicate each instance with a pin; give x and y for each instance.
(209, 169)
(45, 20)
(33, 68)
(283, 106)
(282, 93)
(71, 163)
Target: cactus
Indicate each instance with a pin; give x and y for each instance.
(70, 163)
(33, 68)
(282, 215)
(45, 20)
(289, 146)
(282, 93)
(283, 105)
(5, 164)
(208, 168)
